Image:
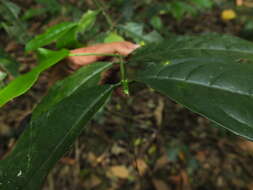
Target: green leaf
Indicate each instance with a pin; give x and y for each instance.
(33, 12)
(113, 37)
(52, 34)
(8, 63)
(3, 75)
(203, 3)
(88, 75)
(210, 75)
(23, 83)
(156, 22)
(136, 31)
(177, 9)
(87, 21)
(68, 40)
(48, 137)
(153, 37)
(214, 46)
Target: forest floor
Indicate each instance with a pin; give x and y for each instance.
(142, 142)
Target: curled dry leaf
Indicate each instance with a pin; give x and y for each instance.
(122, 48)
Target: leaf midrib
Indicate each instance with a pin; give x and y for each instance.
(199, 49)
(195, 83)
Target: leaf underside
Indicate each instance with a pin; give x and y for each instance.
(211, 75)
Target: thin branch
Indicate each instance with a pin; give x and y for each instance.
(95, 54)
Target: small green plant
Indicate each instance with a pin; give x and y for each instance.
(178, 9)
(209, 74)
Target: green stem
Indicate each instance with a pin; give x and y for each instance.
(124, 80)
(96, 54)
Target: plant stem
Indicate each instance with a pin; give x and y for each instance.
(124, 80)
(96, 54)
(107, 17)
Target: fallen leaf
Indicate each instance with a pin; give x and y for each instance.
(246, 146)
(92, 182)
(181, 155)
(160, 185)
(161, 162)
(92, 159)
(201, 156)
(12, 46)
(119, 171)
(67, 160)
(185, 180)
(158, 113)
(141, 166)
(250, 186)
(101, 158)
(117, 149)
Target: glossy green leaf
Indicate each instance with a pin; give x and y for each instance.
(48, 137)
(8, 63)
(213, 46)
(51, 34)
(211, 75)
(89, 76)
(68, 40)
(23, 83)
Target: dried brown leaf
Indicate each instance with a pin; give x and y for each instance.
(160, 185)
(141, 166)
(119, 171)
